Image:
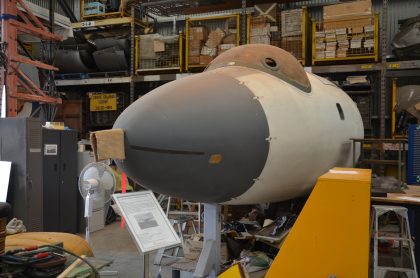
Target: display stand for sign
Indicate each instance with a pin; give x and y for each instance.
(147, 224)
(5, 167)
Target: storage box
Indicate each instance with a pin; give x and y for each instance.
(320, 55)
(341, 53)
(320, 34)
(356, 43)
(194, 47)
(225, 47)
(205, 60)
(343, 44)
(342, 37)
(291, 23)
(193, 60)
(207, 51)
(215, 38)
(199, 33)
(330, 54)
(260, 39)
(330, 36)
(320, 46)
(158, 46)
(369, 43)
(341, 31)
(261, 30)
(345, 10)
(369, 29)
(354, 24)
(229, 39)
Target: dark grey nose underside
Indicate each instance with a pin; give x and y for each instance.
(201, 138)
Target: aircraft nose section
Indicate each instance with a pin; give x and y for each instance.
(203, 137)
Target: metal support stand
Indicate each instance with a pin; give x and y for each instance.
(209, 262)
(144, 265)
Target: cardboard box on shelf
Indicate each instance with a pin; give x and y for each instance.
(205, 60)
(291, 23)
(343, 44)
(260, 39)
(320, 55)
(369, 43)
(194, 47)
(215, 38)
(330, 36)
(356, 43)
(356, 23)
(259, 20)
(199, 33)
(261, 30)
(341, 31)
(158, 46)
(344, 10)
(329, 54)
(369, 28)
(193, 60)
(229, 39)
(224, 47)
(208, 51)
(342, 37)
(319, 34)
(320, 46)
(341, 53)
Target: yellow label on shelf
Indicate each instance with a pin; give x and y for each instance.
(394, 65)
(103, 102)
(368, 66)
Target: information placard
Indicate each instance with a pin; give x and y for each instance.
(146, 221)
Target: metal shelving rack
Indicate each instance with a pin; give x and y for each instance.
(109, 22)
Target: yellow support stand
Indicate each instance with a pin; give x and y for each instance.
(331, 235)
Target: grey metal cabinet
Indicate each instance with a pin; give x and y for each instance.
(60, 180)
(21, 143)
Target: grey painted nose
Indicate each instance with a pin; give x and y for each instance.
(202, 138)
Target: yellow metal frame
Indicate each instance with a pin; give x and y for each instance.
(83, 17)
(180, 54)
(137, 53)
(323, 241)
(374, 56)
(188, 21)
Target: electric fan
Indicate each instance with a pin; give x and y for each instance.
(96, 184)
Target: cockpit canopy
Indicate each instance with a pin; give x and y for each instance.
(266, 58)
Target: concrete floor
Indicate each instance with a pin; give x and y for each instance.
(115, 243)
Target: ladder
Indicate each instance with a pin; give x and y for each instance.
(401, 237)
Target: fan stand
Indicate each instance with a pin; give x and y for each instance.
(93, 184)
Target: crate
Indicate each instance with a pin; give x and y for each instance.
(94, 8)
(160, 53)
(348, 40)
(290, 32)
(208, 37)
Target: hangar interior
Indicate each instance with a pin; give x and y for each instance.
(180, 138)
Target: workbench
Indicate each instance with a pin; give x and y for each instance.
(411, 200)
